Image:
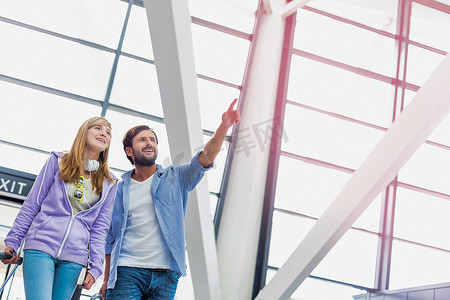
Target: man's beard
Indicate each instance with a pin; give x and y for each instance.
(141, 160)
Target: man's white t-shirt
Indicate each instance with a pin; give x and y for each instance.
(143, 243)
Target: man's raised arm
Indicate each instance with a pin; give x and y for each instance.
(212, 148)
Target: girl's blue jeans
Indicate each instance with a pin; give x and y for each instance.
(47, 278)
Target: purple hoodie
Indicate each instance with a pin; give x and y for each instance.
(47, 224)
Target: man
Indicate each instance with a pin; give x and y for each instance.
(145, 247)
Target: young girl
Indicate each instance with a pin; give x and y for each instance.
(66, 216)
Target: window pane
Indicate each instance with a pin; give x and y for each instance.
(214, 101)
(68, 66)
(305, 188)
(409, 96)
(430, 26)
(238, 15)
(40, 120)
(219, 55)
(287, 232)
(13, 158)
(426, 169)
(380, 14)
(310, 189)
(422, 218)
(340, 92)
(421, 64)
(137, 39)
(352, 259)
(355, 251)
(327, 138)
(414, 265)
(97, 21)
(136, 87)
(345, 43)
(370, 218)
(440, 134)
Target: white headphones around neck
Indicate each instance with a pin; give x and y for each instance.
(91, 165)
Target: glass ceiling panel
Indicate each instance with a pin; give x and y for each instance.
(340, 91)
(136, 87)
(21, 159)
(426, 169)
(422, 218)
(287, 232)
(430, 27)
(314, 188)
(97, 21)
(311, 190)
(137, 39)
(68, 66)
(414, 265)
(355, 251)
(121, 123)
(409, 96)
(370, 218)
(239, 15)
(379, 14)
(345, 43)
(421, 64)
(40, 120)
(440, 134)
(219, 55)
(352, 259)
(329, 139)
(214, 101)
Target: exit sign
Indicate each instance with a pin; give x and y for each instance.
(15, 184)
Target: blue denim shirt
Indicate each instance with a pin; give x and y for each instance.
(170, 190)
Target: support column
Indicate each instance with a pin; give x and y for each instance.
(384, 253)
(238, 236)
(386, 237)
(410, 130)
(170, 29)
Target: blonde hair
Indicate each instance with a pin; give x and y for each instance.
(72, 160)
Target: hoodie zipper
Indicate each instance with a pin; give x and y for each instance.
(66, 234)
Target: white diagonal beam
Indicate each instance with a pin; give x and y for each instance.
(170, 29)
(291, 7)
(267, 5)
(411, 129)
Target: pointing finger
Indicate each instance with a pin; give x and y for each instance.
(230, 109)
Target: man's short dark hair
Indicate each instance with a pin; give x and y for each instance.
(131, 133)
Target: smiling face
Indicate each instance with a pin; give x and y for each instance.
(144, 150)
(98, 138)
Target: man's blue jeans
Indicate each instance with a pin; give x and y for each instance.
(139, 283)
(47, 278)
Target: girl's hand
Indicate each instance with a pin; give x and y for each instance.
(13, 257)
(88, 282)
